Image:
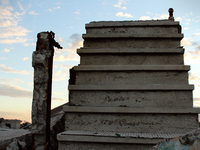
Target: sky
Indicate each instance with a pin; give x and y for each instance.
(21, 20)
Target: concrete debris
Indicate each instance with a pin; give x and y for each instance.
(189, 141)
(16, 145)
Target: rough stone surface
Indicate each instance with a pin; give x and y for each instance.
(132, 59)
(134, 30)
(132, 98)
(131, 50)
(40, 61)
(189, 141)
(39, 104)
(115, 43)
(132, 77)
(144, 123)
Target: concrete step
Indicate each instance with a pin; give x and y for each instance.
(133, 27)
(131, 110)
(140, 35)
(75, 142)
(130, 74)
(157, 121)
(131, 77)
(132, 59)
(131, 95)
(103, 68)
(146, 23)
(85, 140)
(131, 87)
(131, 42)
(128, 50)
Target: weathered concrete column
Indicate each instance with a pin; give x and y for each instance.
(40, 96)
(41, 105)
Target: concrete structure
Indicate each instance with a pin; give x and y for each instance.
(10, 123)
(131, 88)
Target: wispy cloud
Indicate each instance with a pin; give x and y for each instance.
(3, 68)
(5, 50)
(16, 115)
(70, 51)
(178, 18)
(25, 58)
(163, 16)
(77, 12)
(193, 76)
(196, 34)
(196, 102)
(11, 81)
(53, 8)
(59, 99)
(63, 72)
(121, 14)
(33, 13)
(187, 42)
(145, 18)
(14, 91)
(120, 2)
(10, 31)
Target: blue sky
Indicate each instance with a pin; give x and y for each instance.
(21, 20)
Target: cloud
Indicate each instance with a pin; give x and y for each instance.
(193, 76)
(163, 16)
(14, 91)
(185, 28)
(196, 34)
(60, 40)
(70, 51)
(33, 13)
(187, 42)
(3, 68)
(188, 20)
(145, 18)
(193, 57)
(53, 9)
(5, 50)
(120, 2)
(58, 99)
(121, 14)
(25, 58)
(2, 58)
(10, 81)
(16, 115)
(196, 102)
(178, 18)
(77, 12)
(10, 31)
(61, 74)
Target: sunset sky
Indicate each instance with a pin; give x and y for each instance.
(21, 20)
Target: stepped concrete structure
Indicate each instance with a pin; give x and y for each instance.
(131, 88)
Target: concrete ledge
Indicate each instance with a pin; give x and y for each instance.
(132, 68)
(144, 36)
(149, 87)
(131, 23)
(81, 109)
(130, 50)
(74, 138)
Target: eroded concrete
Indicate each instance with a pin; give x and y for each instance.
(129, 42)
(144, 123)
(131, 77)
(132, 98)
(132, 59)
